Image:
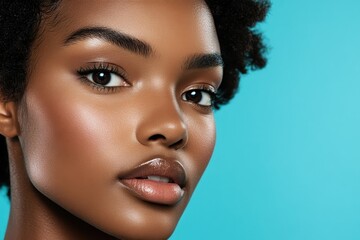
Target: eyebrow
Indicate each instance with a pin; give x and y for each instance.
(204, 61)
(139, 47)
(120, 39)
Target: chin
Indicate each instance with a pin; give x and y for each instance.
(158, 223)
(140, 220)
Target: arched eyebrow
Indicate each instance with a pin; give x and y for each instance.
(204, 61)
(120, 39)
(139, 47)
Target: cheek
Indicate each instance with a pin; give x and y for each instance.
(202, 135)
(68, 145)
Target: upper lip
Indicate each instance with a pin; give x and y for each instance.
(162, 167)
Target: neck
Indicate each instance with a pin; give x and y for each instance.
(33, 215)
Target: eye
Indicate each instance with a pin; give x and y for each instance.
(105, 78)
(199, 96)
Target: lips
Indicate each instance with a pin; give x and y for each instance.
(158, 180)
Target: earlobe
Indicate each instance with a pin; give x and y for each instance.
(9, 126)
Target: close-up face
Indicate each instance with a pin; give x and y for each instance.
(116, 120)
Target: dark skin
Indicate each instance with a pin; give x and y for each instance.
(73, 137)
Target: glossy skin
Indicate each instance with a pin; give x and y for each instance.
(75, 140)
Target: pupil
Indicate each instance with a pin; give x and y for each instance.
(102, 78)
(194, 96)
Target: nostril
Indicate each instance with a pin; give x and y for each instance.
(177, 145)
(168, 142)
(157, 137)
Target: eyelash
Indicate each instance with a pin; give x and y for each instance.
(98, 67)
(209, 90)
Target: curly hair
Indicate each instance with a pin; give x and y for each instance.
(242, 48)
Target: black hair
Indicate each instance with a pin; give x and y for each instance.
(242, 48)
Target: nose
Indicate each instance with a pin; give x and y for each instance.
(162, 124)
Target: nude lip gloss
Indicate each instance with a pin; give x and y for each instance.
(158, 180)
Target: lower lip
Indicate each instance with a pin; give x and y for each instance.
(155, 192)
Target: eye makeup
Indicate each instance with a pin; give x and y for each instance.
(201, 95)
(103, 77)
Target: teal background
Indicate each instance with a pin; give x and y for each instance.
(286, 165)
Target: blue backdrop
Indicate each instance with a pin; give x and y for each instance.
(287, 161)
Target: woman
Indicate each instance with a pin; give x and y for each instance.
(107, 109)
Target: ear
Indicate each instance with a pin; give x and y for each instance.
(8, 119)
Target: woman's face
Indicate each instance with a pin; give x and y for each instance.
(116, 121)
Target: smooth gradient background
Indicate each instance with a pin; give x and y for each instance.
(287, 161)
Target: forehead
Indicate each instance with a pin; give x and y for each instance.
(164, 24)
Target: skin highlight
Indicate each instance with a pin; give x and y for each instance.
(75, 139)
